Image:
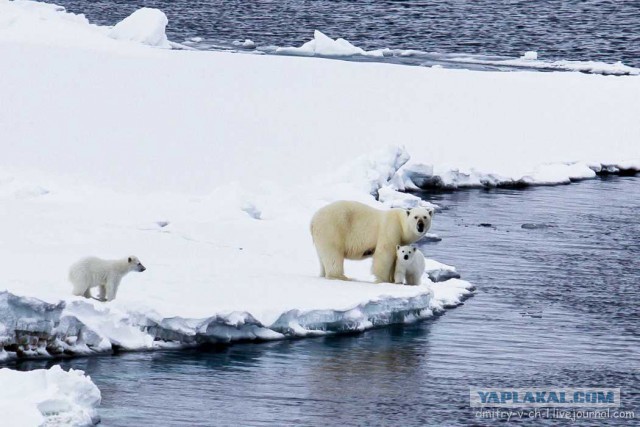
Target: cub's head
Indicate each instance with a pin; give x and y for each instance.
(419, 221)
(135, 264)
(405, 253)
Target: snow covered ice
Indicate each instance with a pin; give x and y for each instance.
(113, 156)
(48, 397)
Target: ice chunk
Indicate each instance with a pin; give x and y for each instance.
(439, 272)
(146, 26)
(247, 44)
(48, 397)
(530, 55)
(322, 45)
(533, 226)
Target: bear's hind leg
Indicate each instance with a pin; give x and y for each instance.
(87, 293)
(322, 272)
(333, 266)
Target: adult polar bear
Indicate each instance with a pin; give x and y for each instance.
(352, 230)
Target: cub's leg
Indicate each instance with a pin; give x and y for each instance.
(102, 292)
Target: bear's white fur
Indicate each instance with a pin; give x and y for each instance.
(409, 265)
(105, 274)
(352, 230)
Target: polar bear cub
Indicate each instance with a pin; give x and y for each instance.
(105, 274)
(409, 265)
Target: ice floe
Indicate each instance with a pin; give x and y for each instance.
(48, 397)
(211, 170)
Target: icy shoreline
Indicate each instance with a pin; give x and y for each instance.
(324, 47)
(31, 328)
(418, 176)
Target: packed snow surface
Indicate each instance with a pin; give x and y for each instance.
(48, 397)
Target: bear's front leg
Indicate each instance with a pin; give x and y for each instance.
(112, 288)
(384, 262)
(414, 279)
(87, 293)
(399, 277)
(102, 292)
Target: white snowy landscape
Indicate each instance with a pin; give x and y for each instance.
(209, 165)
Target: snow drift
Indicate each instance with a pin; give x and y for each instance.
(146, 26)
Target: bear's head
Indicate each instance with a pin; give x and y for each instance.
(419, 221)
(405, 253)
(135, 264)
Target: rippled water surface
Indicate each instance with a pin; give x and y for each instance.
(556, 305)
(605, 30)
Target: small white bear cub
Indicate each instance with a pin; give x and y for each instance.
(105, 274)
(409, 265)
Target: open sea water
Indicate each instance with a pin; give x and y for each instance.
(598, 30)
(556, 305)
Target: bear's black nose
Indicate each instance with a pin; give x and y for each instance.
(420, 226)
(406, 257)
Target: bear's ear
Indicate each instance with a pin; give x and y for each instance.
(408, 212)
(397, 247)
(129, 259)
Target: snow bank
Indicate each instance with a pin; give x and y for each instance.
(146, 26)
(321, 45)
(48, 397)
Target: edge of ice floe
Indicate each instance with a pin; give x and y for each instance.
(31, 328)
(420, 176)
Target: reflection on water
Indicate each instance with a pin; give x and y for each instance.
(555, 306)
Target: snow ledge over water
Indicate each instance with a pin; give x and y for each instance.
(31, 328)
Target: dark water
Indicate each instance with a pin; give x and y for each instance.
(604, 30)
(556, 305)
